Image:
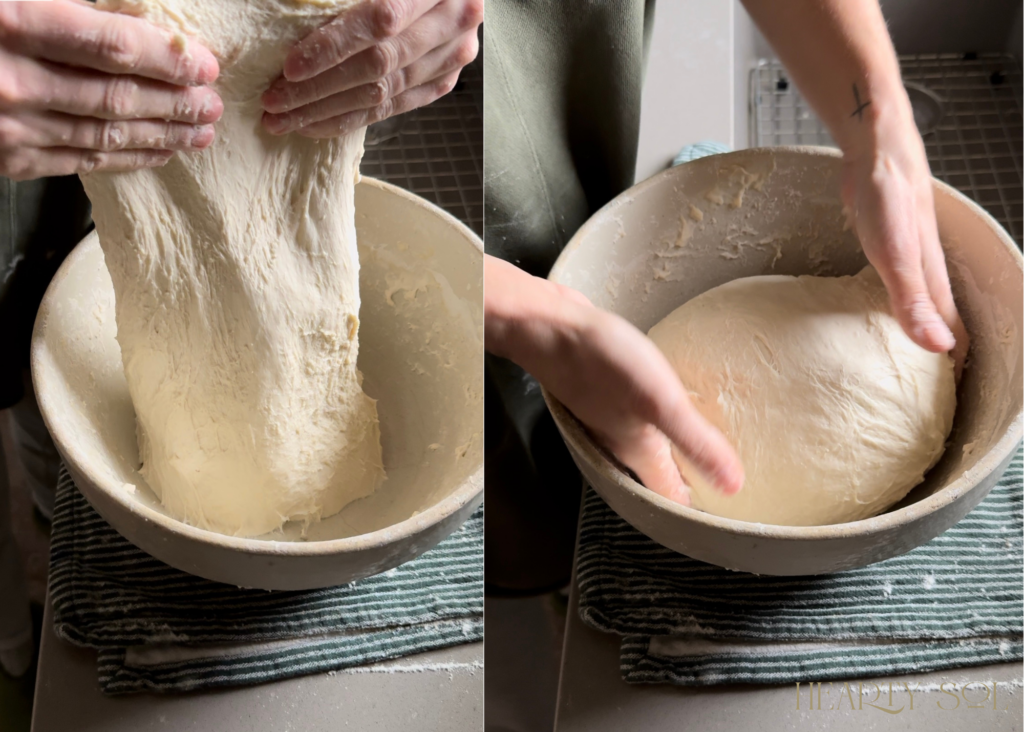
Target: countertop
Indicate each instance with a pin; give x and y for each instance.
(592, 697)
(386, 696)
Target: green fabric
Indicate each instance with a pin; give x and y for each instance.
(561, 123)
(40, 223)
(956, 601)
(109, 595)
(561, 118)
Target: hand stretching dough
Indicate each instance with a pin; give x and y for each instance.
(236, 279)
(835, 412)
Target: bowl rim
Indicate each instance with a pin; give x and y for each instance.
(466, 492)
(579, 438)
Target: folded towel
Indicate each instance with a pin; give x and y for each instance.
(956, 601)
(159, 629)
(699, 150)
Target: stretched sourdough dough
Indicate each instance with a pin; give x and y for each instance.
(237, 295)
(835, 412)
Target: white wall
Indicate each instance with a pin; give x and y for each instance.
(748, 46)
(701, 53)
(689, 91)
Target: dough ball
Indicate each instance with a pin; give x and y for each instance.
(835, 412)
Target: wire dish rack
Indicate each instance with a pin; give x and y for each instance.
(438, 151)
(976, 147)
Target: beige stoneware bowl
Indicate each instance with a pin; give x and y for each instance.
(421, 340)
(777, 211)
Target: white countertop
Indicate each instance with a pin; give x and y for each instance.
(449, 698)
(592, 697)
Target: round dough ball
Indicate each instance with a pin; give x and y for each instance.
(834, 411)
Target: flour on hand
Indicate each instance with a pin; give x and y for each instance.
(834, 411)
(236, 279)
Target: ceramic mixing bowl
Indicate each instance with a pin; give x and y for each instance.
(420, 355)
(777, 211)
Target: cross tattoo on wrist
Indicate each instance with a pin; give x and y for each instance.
(859, 111)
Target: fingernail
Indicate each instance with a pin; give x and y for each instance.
(203, 64)
(276, 124)
(943, 335)
(201, 137)
(275, 100)
(935, 331)
(298, 67)
(270, 100)
(730, 481)
(209, 70)
(211, 108)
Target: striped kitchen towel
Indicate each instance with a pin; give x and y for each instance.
(699, 150)
(159, 629)
(956, 601)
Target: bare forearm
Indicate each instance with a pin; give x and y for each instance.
(610, 375)
(840, 56)
(524, 315)
(499, 313)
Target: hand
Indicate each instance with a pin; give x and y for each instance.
(84, 90)
(381, 58)
(887, 190)
(841, 57)
(607, 373)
